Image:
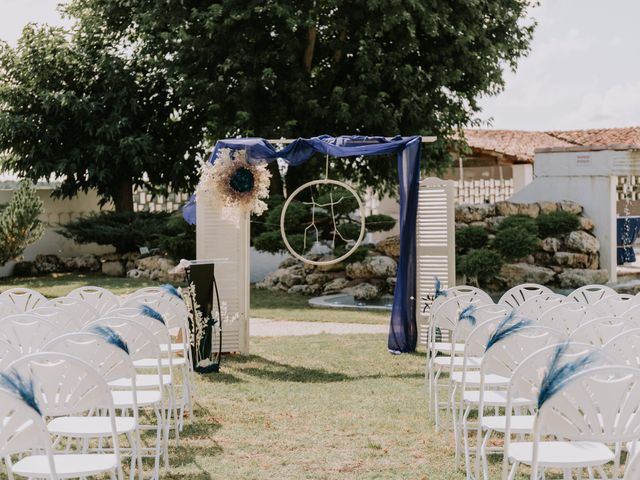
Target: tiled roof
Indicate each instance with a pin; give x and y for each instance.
(520, 145)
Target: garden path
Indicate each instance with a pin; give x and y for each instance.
(262, 327)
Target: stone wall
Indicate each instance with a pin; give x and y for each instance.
(568, 261)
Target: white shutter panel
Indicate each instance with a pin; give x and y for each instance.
(435, 245)
(219, 238)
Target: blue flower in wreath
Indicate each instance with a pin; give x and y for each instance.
(242, 180)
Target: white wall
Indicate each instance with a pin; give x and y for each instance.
(263, 263)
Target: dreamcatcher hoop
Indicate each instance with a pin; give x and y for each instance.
(325, 181)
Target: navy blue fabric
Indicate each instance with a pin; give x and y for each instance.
(402, 331)
(627, 233)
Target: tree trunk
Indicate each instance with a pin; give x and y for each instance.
(311, 45)
(276, 188)
(123, 196)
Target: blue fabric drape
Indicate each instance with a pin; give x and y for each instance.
(402, 330)
(627, 233)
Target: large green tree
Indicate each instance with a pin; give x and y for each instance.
(198, 69)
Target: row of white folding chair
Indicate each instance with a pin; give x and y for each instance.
(142, 345)
(30, 392)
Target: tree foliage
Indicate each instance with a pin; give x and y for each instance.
(19, 224)
(300, 67)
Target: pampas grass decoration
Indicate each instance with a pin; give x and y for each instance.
(12, 381)
(167, 287)
(110, 336)
(467, 313)
(438, 287)
(507, 327)
(152, 313)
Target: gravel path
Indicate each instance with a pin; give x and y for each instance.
(262, 327)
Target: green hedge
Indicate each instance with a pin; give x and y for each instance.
(481, 265)
(557, 223)
(471, 238)
(515, 242)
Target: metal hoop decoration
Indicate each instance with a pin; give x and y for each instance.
(325, 181)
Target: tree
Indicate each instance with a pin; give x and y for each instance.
(75, 107)
(19, 223)
(293, 68)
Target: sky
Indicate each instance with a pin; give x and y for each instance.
(583, 70)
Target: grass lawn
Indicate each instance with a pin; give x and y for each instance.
(286, 306)
(315, 407)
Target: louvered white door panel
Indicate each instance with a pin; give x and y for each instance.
(220, 238)
(435, 243)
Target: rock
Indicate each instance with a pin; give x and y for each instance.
(317, 278)
(460, 225)
(571, 260)
(474, 213)
(391, 283)
(505, 209)
(305, 289)
(135, 273)
(24, 269)
(583, 242)
(336, 285)
(291, 279)
(529, 209)
(154, 262)
(530, 259)
(365, 291)
(47, 263)
(334, 267)
(289, 262)
(586, 224)
(381, 267)
(494, 222)
(594, 261)
(516, 273)
(570, 206)
(283, 276)
(390, 246)
(82, 263)
(358, 270)
(548, 207)
(482, 225)
(543, 258)
(574, 277)
(111, 257)
(550, 244)
(113, 268)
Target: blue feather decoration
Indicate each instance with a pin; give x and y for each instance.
(167, 287)
(438, 288)
(151, 312)
(507, 327)
(557, 376)
(467, 313)
(12, 381)
(110, 336)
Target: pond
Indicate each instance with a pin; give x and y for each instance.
(346, 301)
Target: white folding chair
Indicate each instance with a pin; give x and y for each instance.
(99, 298)
(61, 319)
(80, 310)
(615, 305)
(590, 294)
(632, 468)
(27, 332)
(23, 299)
(535, 306)
(567, 316)
(625, 348)
(8, 354)
(7, 308)
(600, 330)
(519, 294)
(590, 410)
(23, 431)
(65, 386)
(108, 353)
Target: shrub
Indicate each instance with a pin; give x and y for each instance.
(178, 238)
(126, 231)
(480, 265)
(515, 242)
(471, 238)
(557, 223)
(379, 223)
(519, 221)
(19, 224)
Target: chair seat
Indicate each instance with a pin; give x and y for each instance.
(473, 378)
(144, 398)
(445, 347)
(472, 362)
(174, 347)
(164, 362)
(562, 454)
(519, 423)
(89, 427)
(494, 398)
(143, 382)
(67, 466)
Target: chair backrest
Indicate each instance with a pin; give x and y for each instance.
(615, 305)
(632, 467)
(171, 315)
(459, 290)
(567, 316)
(446, 317)
(22, 428)
(63, 321)
(7, 308)
(167, 292)
(99, 298)
(625, 347)
(519, 294)
(27, 332)
(8, 353)
(75, 307)
(590, 294)
(141, 342)
(535, 306)
(479, 315)
(600, 330)
(23, 299)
